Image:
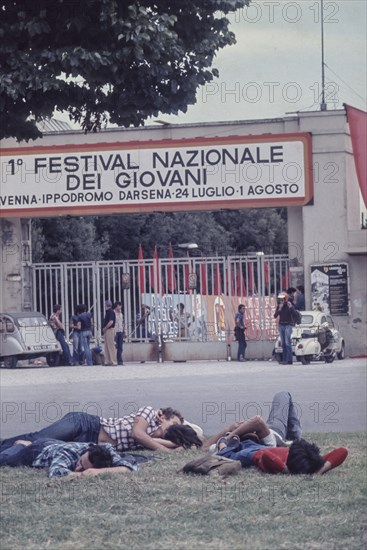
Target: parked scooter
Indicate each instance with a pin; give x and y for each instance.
(315, 344)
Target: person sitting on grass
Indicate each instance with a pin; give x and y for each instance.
(67, 459)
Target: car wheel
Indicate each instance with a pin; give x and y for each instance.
(305, 359)
(10, 362)
(53, 359)
(341, 354)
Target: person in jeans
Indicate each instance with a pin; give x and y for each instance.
(108, 329)
(58, 328)
(119, 331)
(134, 431)
(284, 311)
(66, 459)
(76, 335)
(276, 446)
(239, 332)
(86, 327)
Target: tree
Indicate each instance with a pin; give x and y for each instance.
(67, 240)
(102, 61)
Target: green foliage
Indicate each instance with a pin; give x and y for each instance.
(67, 240)
(119, 237)
(105, 61)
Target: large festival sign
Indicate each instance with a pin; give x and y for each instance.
(168, 175)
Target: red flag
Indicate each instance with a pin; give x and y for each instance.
(141, 270)
(358, 132)
(171, 275)
(230, 280)
(203, 281)
(155, 281)
(241, 287)
(285, 280)
(187, 272)
(217, 282)
(251, 280)
(266, 276)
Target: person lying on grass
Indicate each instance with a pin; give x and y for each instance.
(276, 445)
(67, 459)
(135, 431)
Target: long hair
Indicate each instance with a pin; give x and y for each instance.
(183, 436)
(304, 458)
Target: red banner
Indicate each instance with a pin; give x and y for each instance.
(358, 132)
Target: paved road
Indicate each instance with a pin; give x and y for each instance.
(331, 398)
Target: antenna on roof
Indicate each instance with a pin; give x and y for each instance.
(323, 105)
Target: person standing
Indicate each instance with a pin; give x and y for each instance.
(119, 331)
(239, 332)
(76, 335)
(86, 321)
(300, 298)
(58, 328)
(108, 329)
(284, 311)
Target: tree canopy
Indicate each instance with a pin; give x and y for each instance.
(119, 237)
(115, 61)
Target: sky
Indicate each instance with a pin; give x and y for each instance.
(275, 67)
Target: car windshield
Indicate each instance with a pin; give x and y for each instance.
(307, 320)
(31, 321)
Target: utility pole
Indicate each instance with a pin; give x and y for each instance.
(323, 105)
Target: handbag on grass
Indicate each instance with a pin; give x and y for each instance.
(212, 465)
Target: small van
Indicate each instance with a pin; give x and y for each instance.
(27, 335)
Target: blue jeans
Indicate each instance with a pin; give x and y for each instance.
(19, 455)
(77, 348)
(286, 339)
(283, 417)
(85, 341)
(60, 336)
(74, 426)
(119, 340)
(240, 337)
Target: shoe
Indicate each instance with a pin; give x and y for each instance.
(283, 363)
(290, 363)
(241, 358)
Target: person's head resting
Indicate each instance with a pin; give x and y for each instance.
(183, 436)
(301, 289)
(56, 308)
(168, 417)
(96, 456)
(108, 304)
(304, 458)
(240, 307)
(182, 307)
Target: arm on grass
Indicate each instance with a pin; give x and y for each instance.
(113, 470)
(139, 433)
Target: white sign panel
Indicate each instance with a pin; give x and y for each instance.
(194, 174)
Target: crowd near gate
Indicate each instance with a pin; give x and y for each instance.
(190, 299)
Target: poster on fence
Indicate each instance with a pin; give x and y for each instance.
(206, 318)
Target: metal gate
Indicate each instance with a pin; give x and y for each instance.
(190, 299)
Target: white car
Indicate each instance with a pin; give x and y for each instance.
(315, 338)
(27, 335)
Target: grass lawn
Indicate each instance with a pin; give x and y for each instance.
(159, 508)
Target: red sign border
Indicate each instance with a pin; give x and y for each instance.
(304, 137)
